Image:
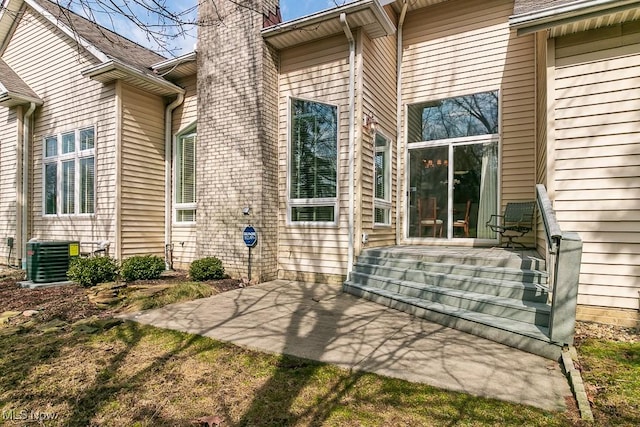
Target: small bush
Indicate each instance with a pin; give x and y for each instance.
(142, 267)
(91, 271)
(209, 268)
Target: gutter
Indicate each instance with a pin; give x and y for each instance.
(306, 28)
(563, 14)
(352, 73)
(10, 96)
(319, 17)
(168, 162)
(26, 127)
(399, 182)
(113, 65)
(169, 64)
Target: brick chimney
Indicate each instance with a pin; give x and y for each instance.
(237, 148)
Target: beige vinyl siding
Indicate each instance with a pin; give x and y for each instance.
(142, 173)
(186, 113)
(317, 71)
(462, 47)
(71, 102)
(597, 159)
(541, 128)
(8, 145)
(184, 236)
(379, 99)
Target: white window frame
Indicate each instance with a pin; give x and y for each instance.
(451, 143)
(186, 132)
(384, 203)
(59, 159)
(325, 201)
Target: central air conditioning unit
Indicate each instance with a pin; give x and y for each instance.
(48, 262)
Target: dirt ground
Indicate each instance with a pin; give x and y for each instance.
(70, 303)
(606, 332)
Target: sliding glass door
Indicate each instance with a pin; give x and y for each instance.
(453, 167)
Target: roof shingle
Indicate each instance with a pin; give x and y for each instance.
(111, 44)
(527, 6)
(13, 83)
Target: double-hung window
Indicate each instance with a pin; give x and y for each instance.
(69, 173)
(382, 181)
(185, 177)
(313, 162)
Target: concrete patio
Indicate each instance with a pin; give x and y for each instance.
(322, 323)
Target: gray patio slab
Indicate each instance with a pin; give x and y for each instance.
(319, 322)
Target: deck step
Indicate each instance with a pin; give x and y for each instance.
(491, 292)
(522, 335)
(484, 271)
(508, 287)
(499, 306)
(462, 256)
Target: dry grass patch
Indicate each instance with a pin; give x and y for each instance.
(611, 371)
(143, 376)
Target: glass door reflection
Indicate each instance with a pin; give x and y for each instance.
(428, 193)
(452, 190)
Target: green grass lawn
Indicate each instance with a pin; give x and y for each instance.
(611, 372)
(131, 374)
(58, 370)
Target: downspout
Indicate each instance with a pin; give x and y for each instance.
(26, 135)
(351, 163)
(168, 163)
(399, 181)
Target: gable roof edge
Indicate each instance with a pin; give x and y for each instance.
(101, 72)
(276, 34)
(542, 19)
(90, 47)
(7, 96)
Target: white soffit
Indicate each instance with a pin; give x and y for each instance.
(576, 17)
(366, 14)
(114, 70)
(182, 66)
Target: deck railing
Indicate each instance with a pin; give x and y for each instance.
(565, 250)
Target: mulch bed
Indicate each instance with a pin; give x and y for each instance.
(70, 303)
(586, 330)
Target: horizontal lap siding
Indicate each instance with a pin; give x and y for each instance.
(8, 147)
(52, 66)
(541, 128)
(463, 47)
(142, 173)
(379, 99)
(317, 71)
(597, 159)
(184, 236)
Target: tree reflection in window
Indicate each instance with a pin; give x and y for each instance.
(313, 150)
(469, 115)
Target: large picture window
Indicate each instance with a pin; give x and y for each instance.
(453, 166)
(185, 177)
(313, 161)
(382, 181)
(69, 173)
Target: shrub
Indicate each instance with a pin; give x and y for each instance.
(142, 267)
(91, 271)
(209, 268)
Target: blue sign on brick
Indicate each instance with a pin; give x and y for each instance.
(250, 236)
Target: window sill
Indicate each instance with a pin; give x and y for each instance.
(71, 216)
(184, 224)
